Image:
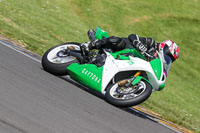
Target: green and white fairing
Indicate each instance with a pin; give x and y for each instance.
(98, 78)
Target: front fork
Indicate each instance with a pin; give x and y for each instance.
(128, 83)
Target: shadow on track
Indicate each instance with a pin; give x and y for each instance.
(101, 96)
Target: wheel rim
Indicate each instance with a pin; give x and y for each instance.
(56, 55)
(125, 93)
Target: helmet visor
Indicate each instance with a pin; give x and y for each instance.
(167, 63)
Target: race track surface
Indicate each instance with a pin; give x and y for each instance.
(34, 101)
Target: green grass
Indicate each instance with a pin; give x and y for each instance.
(42, 24)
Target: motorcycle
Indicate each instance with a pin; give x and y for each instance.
(125, 77)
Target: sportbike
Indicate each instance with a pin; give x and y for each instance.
(125, 77)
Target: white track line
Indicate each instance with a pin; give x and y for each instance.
(10, 46)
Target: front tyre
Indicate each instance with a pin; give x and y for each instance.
(56, 62)
(128, 96)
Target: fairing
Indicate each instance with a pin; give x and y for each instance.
(87, 74)
(98, 78)
(114, 66)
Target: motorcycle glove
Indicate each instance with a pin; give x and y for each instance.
(149, 41)
(140, 46)
(142, 43)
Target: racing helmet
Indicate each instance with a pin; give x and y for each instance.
(171, 49)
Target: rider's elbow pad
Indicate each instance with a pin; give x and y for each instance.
(133, 37)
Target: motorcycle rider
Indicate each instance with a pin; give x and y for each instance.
(145, 45)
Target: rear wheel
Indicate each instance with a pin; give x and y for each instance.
(56, 62)
(128, 96)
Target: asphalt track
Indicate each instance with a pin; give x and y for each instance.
(34, 101)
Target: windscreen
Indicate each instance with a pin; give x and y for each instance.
(100, 33)
(168, 62)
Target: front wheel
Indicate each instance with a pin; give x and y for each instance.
(122, 96)
(56, 62)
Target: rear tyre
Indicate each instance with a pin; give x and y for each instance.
(55, 62)
(128, 96)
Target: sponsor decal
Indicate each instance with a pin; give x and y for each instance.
(91, 75)
(130, 62)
